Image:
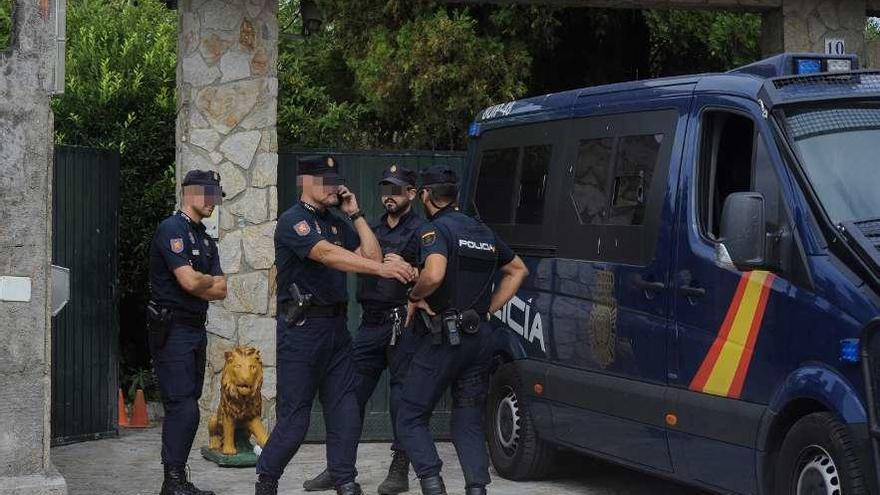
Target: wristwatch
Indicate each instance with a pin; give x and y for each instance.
(354, 216)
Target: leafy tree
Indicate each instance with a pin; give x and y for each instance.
(5, 23)
(119, 95)
(684, 42)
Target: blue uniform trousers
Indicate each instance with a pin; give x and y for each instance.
(180, 367)
(372, 355)
(433, 369)
(314, 358)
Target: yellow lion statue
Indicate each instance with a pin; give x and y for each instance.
(241, 400)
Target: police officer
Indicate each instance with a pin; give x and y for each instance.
(184, 275)
(449, 306)
(314, 248)
(380, 342)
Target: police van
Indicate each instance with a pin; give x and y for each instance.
(704, 284)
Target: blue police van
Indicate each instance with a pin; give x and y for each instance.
(705, 276)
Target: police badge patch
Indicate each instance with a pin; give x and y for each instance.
(302, 228)
(177, 245)
(428, 238)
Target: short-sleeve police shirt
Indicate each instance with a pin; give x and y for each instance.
(299, 229)
(376, 293)
(443, 235)
(179, 241)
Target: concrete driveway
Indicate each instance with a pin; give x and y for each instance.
(129, 465)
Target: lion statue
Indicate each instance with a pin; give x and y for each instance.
(241, 401)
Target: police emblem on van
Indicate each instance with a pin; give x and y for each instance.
(603, 319)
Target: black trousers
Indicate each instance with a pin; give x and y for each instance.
(180, 366)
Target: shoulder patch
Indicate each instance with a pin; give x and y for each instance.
(428, 238)
(302, 228)
(177, 245)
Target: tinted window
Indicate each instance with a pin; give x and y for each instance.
(533, 184)
(589, 193)
(495, 185)
(633, 171)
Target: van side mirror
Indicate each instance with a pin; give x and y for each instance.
(742, 229)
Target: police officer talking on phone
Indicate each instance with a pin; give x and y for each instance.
(449, 307)
(184, 275)
(380, 342)
(314, 248)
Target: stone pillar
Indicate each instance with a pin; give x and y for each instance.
(227, 91)
(803, 26)
(26, 150)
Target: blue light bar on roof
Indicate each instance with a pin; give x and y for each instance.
(807, 66)
(800, 64)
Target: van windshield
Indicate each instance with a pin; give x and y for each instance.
(839, 152)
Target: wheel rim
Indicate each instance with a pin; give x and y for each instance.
(817, 473)
(507, 422)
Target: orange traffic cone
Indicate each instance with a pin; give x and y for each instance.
(139, 417)
(123, 415)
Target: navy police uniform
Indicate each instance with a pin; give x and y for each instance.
(380, 342)
(180, 360)
(314, 353)
(473, 254)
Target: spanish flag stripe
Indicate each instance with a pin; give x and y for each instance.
(724, 370)
(743, 368)
(702, 375)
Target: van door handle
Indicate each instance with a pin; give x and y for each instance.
(689, 291)
(650, 286)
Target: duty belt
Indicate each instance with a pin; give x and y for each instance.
(191, 319)
(396, 316)
(326, 311)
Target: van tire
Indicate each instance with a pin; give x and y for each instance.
(817, 450)
(518, 455)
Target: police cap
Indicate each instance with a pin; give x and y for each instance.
(324, 166)
(202, 178)
(398, 176)
(437, 174)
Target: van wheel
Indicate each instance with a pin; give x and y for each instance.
(514, 446)
(818, 458)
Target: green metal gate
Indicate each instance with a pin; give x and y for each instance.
(85, 333)
(362, 171)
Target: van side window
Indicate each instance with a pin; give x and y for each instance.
(533, 184)
(616, 186)
(495, 183)
(725, 164)
(734, 158)
(589, 193)
(633, 171)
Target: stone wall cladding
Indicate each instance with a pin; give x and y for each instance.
(227, 90)
(803, 26)
(25, 246)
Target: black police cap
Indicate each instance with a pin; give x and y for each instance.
(437, 174)
(399, 176)
(202, 178)
(324, 166)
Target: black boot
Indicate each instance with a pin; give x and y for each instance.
(475, 490)
(350, 488)
(176, 483)
(266, 486)
(433, 485)
(319, 483)
(398, 475)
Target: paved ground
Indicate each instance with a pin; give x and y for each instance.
(129, 466)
